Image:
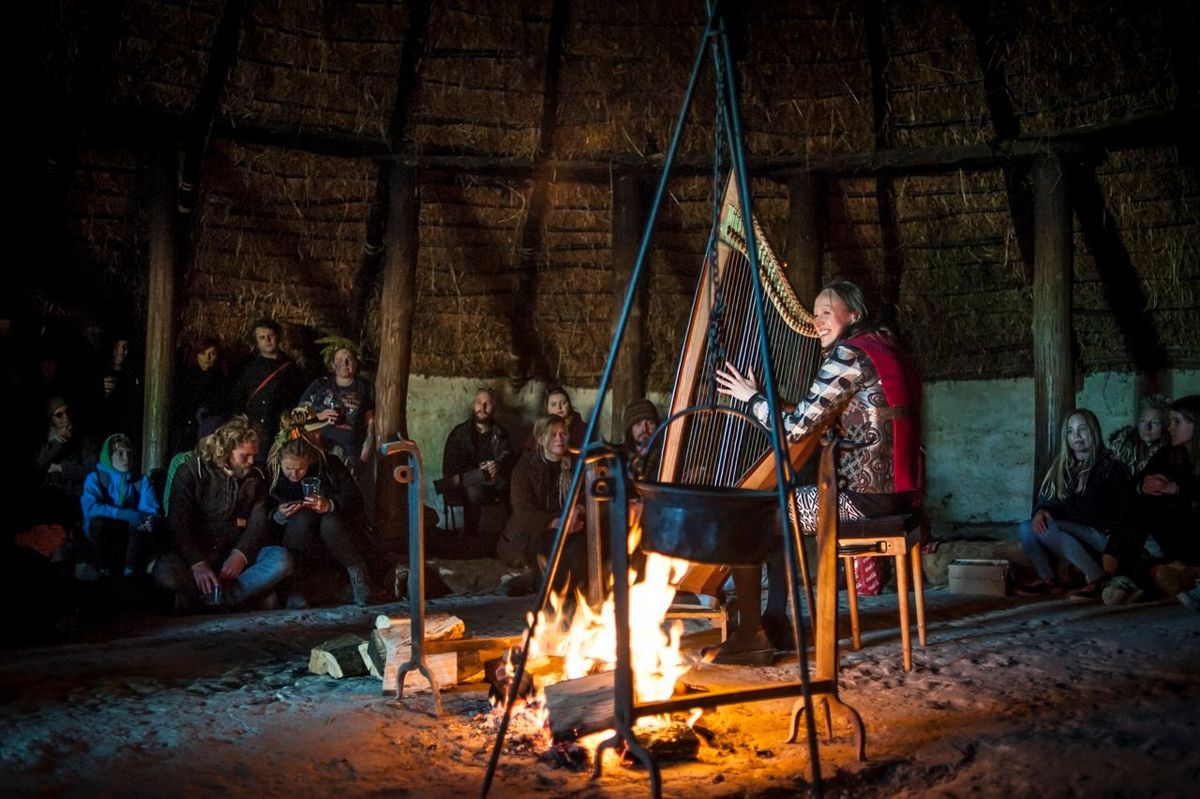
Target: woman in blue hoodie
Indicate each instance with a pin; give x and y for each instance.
(120, 511)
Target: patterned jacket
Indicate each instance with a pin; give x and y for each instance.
(867, 388)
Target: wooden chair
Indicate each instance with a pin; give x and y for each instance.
(900, 537)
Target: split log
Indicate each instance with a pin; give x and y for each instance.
(438, 626)
(390, 647)
(338, 657)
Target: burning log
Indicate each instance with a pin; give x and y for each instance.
(338, 657)
(674, 742)
(581, 706)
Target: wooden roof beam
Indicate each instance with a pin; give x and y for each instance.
(1153, 129)
(875, 21)
(976, 16)
(221, 57)
(532, 360)
(406, 80)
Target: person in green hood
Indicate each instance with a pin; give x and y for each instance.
(120, 511)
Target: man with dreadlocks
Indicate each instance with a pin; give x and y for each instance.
(217, 517)
(316, 502)
(346, 400)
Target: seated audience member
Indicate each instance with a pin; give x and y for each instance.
(267, 382)
(476, 461)
(200, 392)
(1080, 513)
(1134, 445)
(540, 482)
(217, 518)
(1168, 501)
(315, 500)
(62, 462)
(346, 400)
(640, 420)
(120, 511)
(557, 402)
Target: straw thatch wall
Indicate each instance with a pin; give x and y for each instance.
(282, 232)
(277, 234)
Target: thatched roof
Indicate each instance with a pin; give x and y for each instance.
(317, 93)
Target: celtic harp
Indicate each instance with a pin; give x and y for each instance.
(719, 449)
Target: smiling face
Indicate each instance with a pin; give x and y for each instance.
(1181, 428)
(294, 467)
(832, 317)
(1079, 437)
(558, 404)
(345, 365)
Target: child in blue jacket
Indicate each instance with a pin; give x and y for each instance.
(120, 511)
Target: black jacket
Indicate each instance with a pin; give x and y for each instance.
(212, 513)
(1103, 504)
(466, 449)
(536, 501)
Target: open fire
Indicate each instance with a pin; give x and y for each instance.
(572, 657)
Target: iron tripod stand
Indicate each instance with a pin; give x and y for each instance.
(819, 690)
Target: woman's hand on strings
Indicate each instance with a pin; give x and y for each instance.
(735, 384)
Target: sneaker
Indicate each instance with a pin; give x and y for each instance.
(1122, 591)
(1190, 599)
(296, 601)
(1038, 588)
(1093, 590)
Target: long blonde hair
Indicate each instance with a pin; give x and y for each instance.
(217, 447)
(1057, 482)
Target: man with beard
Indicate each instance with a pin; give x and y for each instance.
(641, 421)
(476, 462)
(217, 518)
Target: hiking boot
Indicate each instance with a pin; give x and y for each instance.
(1190, 599)
(1093, 590)
(360, 585)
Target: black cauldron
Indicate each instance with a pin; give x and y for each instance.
(705, 524)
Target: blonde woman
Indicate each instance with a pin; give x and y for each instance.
(1079, 515)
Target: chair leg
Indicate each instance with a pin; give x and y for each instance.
(852, 599)
(902, 598)
(918, 574)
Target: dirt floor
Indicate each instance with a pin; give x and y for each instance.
(1011, 697)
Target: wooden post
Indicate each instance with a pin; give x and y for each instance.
(160, 304)
(1053, 369)
(396, 308)
(628, 220)
(807, 199)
